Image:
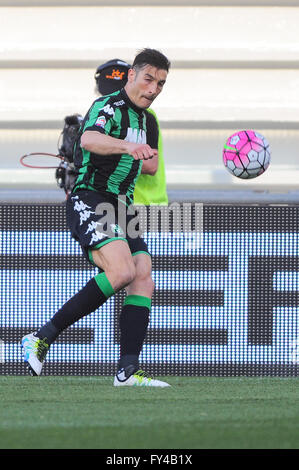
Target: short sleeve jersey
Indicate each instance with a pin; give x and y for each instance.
(116, 174)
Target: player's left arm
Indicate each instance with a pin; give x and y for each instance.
(150, 166)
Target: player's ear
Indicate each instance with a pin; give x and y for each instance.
(131, 75)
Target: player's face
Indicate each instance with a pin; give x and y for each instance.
(145, 85)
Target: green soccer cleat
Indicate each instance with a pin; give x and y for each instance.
(136, 379)
(34, 351)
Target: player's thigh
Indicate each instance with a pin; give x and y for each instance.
(116, 260)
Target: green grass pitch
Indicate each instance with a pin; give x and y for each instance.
(195, 413)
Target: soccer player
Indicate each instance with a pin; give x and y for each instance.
(150, 187)
(109, 153)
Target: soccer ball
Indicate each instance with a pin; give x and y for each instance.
(246, 154)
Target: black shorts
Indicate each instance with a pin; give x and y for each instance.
(92, 227)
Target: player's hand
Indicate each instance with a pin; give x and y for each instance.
(141, 151)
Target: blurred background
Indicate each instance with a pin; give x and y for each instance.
(235, 65)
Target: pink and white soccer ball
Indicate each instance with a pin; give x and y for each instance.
(246, 154)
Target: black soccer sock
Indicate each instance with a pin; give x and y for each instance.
(87, 300)
(133, 322)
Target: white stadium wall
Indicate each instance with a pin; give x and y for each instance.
(233, 67)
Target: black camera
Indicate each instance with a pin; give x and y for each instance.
(66, 174)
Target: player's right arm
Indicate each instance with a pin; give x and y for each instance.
(103, 144)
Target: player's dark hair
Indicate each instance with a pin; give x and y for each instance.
(151, 57)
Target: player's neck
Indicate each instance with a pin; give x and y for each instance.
(129, 95)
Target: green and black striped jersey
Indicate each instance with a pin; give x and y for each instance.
(117, 116)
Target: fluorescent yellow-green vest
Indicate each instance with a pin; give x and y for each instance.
(151, 189)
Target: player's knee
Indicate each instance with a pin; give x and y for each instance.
(147, 284)
(124, 274)
(129, 274)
